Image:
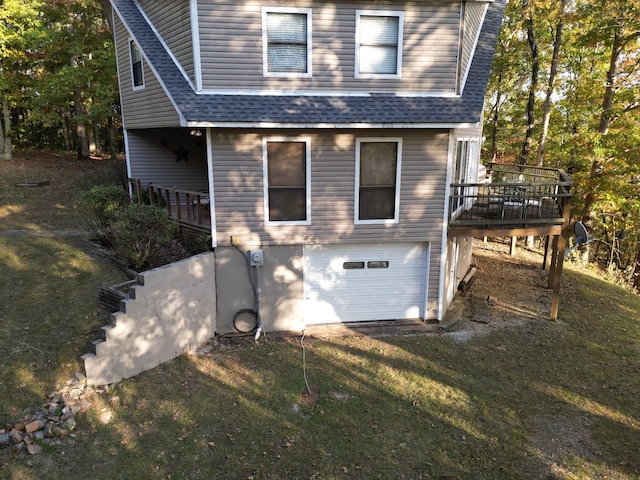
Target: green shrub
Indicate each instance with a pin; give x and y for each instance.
(98, 207)
(137, 230)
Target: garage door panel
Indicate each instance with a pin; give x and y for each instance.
(335, 294)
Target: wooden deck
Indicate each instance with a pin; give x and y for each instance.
(525, 201)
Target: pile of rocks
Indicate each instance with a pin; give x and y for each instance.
(54, 422)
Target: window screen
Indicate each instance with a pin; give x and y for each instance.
(378, 44)
(377, 194)
(287, 42)
(286, 177)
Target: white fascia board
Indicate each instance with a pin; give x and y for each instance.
(442, 294)
(325, 93)
(261, 125)
(212, 198)
(115, 44)
(195, 42)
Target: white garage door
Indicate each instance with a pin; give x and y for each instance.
(351, 283)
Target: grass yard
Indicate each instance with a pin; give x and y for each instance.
(520, 398)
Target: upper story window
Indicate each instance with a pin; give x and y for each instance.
(377, 189)
(137, 70)
(286, 181)
(286, 42)
(378, 44)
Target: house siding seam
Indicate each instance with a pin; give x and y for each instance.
(145, 107)
(238, 187)
(172, 20)
(231, 46)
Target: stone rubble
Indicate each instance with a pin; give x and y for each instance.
(54, 422)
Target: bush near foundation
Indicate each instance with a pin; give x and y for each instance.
(98, 207)
(137, 230)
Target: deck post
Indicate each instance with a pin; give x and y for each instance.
(554, 261)
(559, 246)
(545, 260)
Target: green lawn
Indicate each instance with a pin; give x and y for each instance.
(527, 398)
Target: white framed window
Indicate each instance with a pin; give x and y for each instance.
(464, 171)
(137, 67)
(286, 42)
(378, 44)
(287, 180)
(377, 191)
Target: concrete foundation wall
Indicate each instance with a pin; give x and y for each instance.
(281, 285)
(172, 311)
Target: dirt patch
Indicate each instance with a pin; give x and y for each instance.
(508, 291)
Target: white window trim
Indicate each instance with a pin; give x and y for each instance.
(356, 209)
(470, 173)
(133, 85)
(265, 180)
(379, 13)
(265, 43)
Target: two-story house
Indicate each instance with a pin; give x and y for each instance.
(326, 134)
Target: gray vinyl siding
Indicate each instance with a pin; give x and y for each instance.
(238, 186)
(149, 107)
(231, 47)
(155, 160)
(475, 132)
(172, 20)
(473, 16)
(238, 197)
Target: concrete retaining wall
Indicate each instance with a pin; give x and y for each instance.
(170, 312)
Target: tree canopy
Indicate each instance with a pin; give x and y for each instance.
(58, 79)
(585, 113)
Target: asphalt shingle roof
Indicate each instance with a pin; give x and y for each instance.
(293, 109)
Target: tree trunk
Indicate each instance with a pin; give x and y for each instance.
(495, 120)
(5, 125)
(65, 132)
(5, 130)
(80, 114)
(94, 139)
(81, 125)
(535, 68)
(113, 151)
(635, 278)
(546, 111)
(605, 121)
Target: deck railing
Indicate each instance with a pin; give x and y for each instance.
(512, 195)
(184, 206)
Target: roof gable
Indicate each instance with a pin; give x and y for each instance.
(309, 110)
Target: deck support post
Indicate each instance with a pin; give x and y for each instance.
(547, 245)
(512, 248)
(559, 245)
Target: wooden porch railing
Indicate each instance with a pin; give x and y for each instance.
(188, 207)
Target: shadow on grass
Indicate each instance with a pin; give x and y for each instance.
(527, 399)
(46, 318)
